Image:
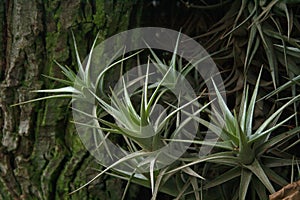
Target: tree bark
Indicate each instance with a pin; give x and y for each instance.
(41, 156)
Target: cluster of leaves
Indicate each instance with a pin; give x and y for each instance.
(243, 152)
(248, 153)
(255, 34)
(140, 141)
(253, 158)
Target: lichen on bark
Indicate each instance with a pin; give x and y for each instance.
(41, 156)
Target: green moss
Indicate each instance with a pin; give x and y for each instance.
(99, 18)
(88, 15)
(4, 194)
(59, 26)
(53, 169)
(53, 111)
(69, 165)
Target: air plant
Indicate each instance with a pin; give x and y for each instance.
(245, 153)
(250, 155)
(143, 135)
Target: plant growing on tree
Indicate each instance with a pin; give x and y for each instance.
(247, 154)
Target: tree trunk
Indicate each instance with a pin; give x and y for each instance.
(41, 156)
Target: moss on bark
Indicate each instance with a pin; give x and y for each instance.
(41, 156)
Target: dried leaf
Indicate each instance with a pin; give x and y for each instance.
(289, 192)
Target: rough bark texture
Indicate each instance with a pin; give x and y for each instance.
(41, 156)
